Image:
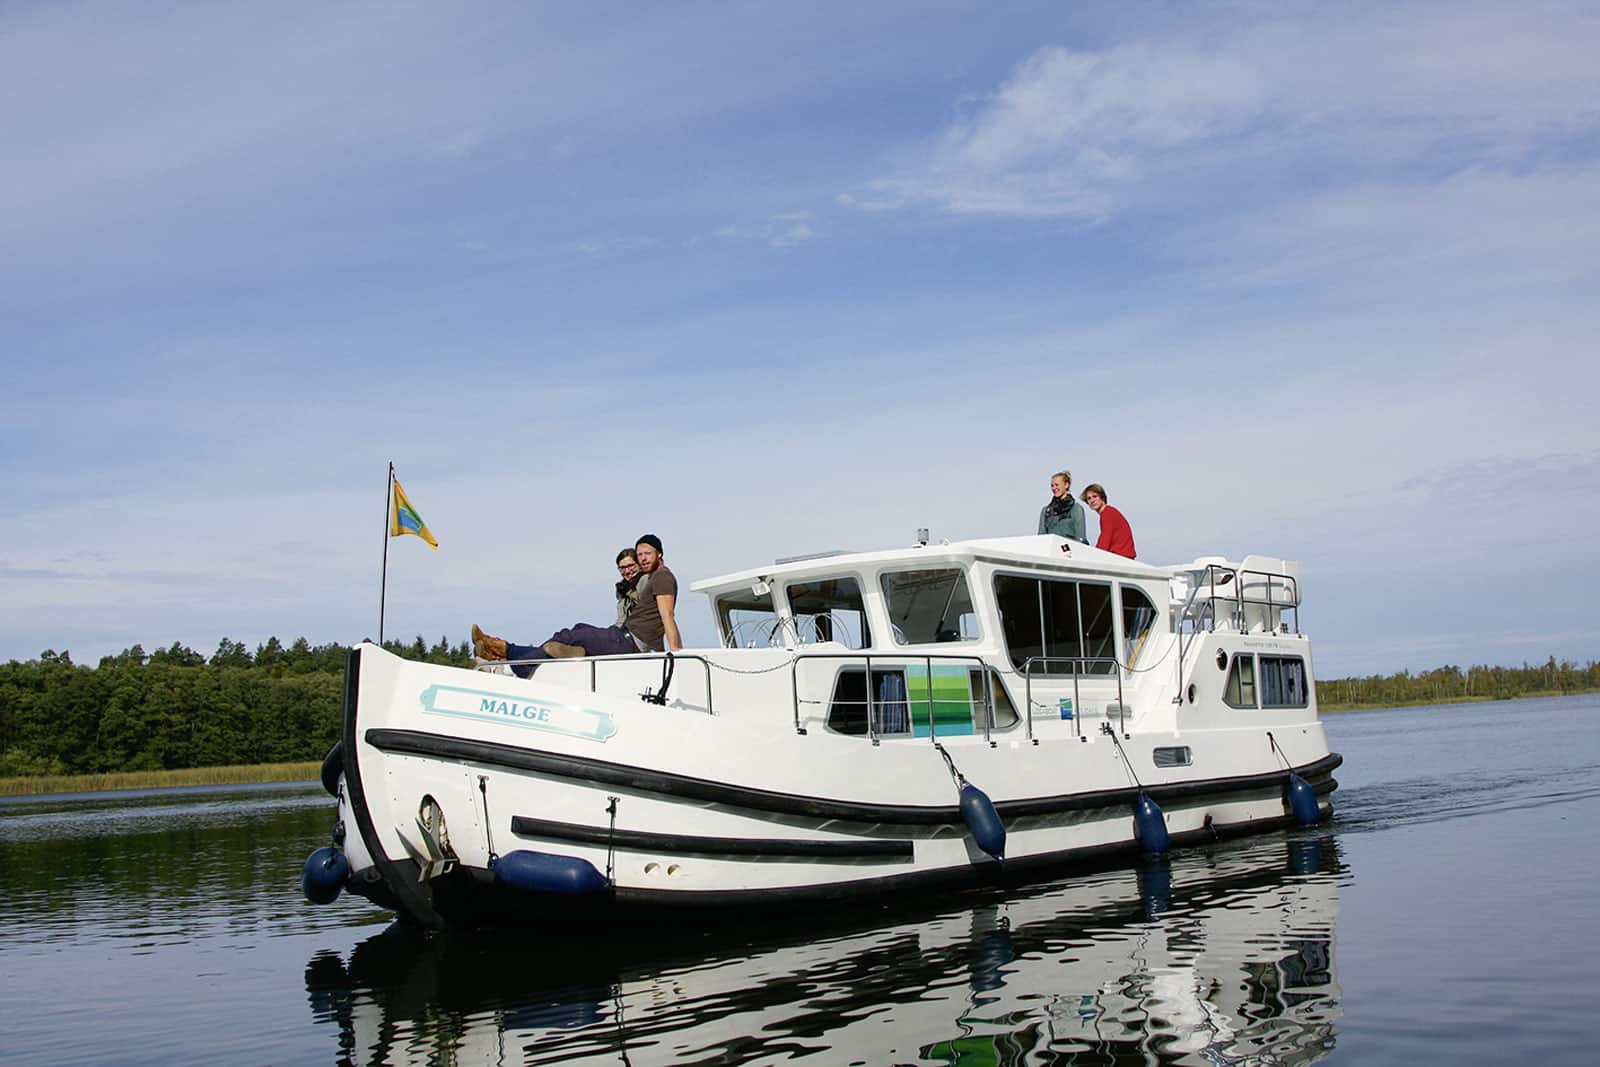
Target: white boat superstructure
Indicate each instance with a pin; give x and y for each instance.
(822, 748)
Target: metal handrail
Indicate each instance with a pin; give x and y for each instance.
(1237, 576)
(595, 661)
(1076, 661)
(898, 657)
(1209, 583)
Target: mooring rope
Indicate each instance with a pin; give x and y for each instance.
(488, 834)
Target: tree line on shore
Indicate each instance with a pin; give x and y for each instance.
(1457, 683)
(176, 708)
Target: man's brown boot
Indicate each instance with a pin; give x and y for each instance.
(485, 647)
(559, 650)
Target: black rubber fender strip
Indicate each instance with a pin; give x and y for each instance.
(646, 841)
(640, 779)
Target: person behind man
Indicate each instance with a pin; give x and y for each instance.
(1115, 533)
(627, 585)
(1062, 516)
(645, 624)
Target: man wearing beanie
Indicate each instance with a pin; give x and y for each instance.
(652, 621)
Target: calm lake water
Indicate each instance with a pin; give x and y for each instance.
(1446, 915)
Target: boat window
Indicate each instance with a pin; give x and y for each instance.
(830, 609)
(1057, 619)
(1138, 620)
(748, 620)
(903, 698)
(1241, 689)
(1099, 633)
(849, 707)
(1004, 714)
(1283, 682)
(930, 607)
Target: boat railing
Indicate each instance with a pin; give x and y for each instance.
(595, 662)
(1199, 613)
(898, 659)
(1080, 665)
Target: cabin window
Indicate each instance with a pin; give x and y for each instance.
(748, 620)
(1099, 633)
(903, 698)
(930, 607)
(1138, 622)
(1173, 756)
(889, 707)
(1283, 682)
(1241, 689)
(1060, 620)
(1003, 714)
(830, 609)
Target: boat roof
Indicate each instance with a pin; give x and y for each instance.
(1033, 551)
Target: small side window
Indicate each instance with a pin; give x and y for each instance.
(1241, 688)
(1138, 619)
(1173, 756)
(1004, 714)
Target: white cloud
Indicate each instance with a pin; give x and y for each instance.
(1299, 98)
(1069, 128)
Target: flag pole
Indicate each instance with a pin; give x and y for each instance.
(383, 588)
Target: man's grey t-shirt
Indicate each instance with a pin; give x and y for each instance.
(644, 618)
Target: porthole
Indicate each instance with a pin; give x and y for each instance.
(1191, 692)
(1222, 660)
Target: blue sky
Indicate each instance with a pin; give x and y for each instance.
(1306, 280)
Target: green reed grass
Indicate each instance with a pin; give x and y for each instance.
(99, 783)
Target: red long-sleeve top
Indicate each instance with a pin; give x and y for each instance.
(1115, 533)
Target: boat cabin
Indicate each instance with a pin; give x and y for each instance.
(963, 638)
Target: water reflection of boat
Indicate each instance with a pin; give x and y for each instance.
(904, 720)
(1220, 955)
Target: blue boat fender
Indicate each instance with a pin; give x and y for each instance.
(544, 872)
(325, 873)
(1149, 824)
(1303, 800)
(987, 830)
(332, 768)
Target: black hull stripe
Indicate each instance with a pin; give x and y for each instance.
(647, 903)
(1011, 872)
(512, 757)
(683, 844)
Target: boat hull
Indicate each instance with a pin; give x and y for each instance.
(678, 811)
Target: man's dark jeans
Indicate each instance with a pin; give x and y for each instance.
(594, 640)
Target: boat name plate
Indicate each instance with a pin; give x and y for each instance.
(549, 716)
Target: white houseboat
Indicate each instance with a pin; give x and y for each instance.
(871, 722)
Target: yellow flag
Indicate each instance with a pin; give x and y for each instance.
(403, 518)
